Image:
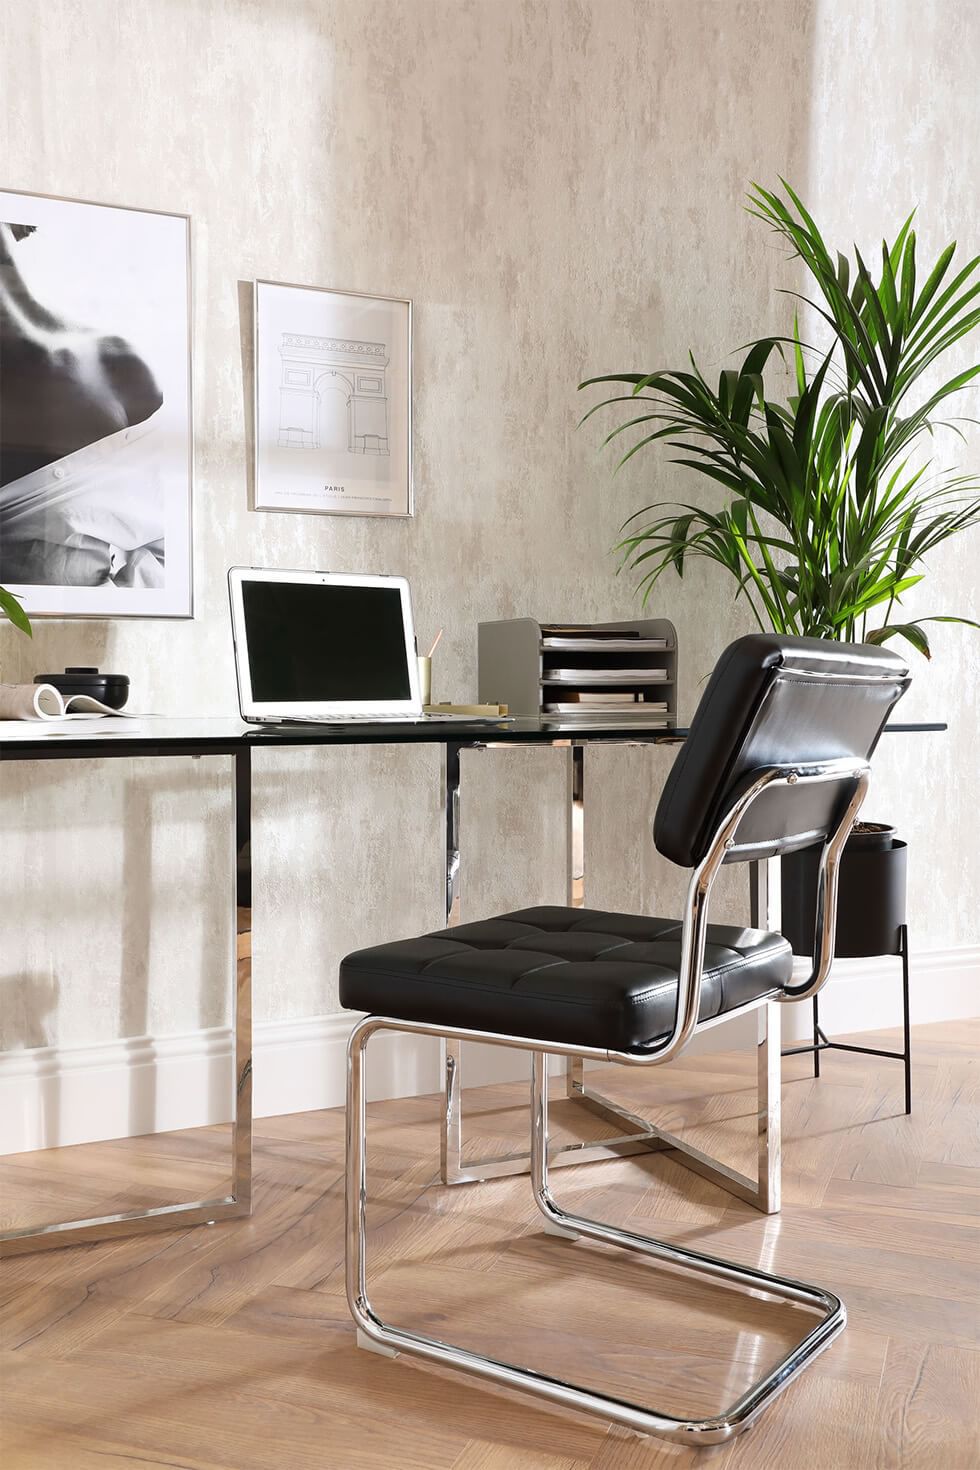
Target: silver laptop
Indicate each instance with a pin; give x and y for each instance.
(325, 648)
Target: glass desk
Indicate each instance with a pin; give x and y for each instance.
(165, 738)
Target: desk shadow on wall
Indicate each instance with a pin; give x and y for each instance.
(28, 1002)
(147, 929)
(145, 895)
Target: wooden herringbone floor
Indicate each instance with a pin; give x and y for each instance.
(231, 1347)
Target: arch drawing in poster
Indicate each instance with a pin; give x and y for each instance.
(332, 401)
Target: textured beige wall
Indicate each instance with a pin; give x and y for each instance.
(894, 126)
(557, 185)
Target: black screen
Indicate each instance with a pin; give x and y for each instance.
(314, 642)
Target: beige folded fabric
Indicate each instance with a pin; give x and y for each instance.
(29, 702)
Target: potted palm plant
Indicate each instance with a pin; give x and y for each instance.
(827, 507)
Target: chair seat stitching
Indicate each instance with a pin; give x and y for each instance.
(473, 985)
(515, 944)
(477, 988)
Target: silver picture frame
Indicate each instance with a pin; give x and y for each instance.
(186, 548)
(319, 356)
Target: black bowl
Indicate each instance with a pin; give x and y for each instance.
(110, 689)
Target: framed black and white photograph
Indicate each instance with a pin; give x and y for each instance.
(333, 401)
(95, 408)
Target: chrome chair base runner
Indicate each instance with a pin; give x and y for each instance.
(634, 1135)
(380, 1336)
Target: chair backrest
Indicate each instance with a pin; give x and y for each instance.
(775, 701)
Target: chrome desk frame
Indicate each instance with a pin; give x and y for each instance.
(238, 744)
(633, 1134)
(190, 738)
(377, 1335)
(238, 1200)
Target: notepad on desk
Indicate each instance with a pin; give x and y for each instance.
(478, 711)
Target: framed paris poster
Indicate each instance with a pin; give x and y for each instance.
(333, 401)
(95, 408)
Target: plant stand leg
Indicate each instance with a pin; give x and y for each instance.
(816, 1038)
(903, 944)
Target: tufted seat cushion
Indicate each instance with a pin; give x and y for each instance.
(561, 974)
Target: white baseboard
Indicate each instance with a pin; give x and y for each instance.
(51, 1097)
(866, 995)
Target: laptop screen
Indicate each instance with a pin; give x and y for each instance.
(319, 642)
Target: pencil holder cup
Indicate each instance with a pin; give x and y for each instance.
(425, 679)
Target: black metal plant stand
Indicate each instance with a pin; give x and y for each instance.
(871, 920)
(821, 1043)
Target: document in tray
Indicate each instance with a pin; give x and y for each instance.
(586, 711)
(45, 702)
(618, 697)
(620, 720)
(604, 676)
(568, 644)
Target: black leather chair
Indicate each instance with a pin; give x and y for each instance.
(776, 760)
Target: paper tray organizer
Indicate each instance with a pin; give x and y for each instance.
(531, 666)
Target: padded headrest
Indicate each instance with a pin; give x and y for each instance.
(774, 700)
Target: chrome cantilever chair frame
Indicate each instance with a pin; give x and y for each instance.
(377, 1335)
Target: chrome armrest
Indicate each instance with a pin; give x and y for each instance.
(723, 846)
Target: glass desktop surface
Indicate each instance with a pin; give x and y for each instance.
(153, 735)
(34, 738)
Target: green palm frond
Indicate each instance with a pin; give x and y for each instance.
(12, 608)
(826, 521)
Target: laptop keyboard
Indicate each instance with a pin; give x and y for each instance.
(386, 717)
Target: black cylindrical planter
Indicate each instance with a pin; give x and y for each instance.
(870, 896)
(870, 921)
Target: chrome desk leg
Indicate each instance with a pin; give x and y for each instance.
(239, 1200)
(241, 1187)
(770, 1077)
(450, 786)
(576, 826)
(375, 1333)
(451, 1125)
(574, 1066)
